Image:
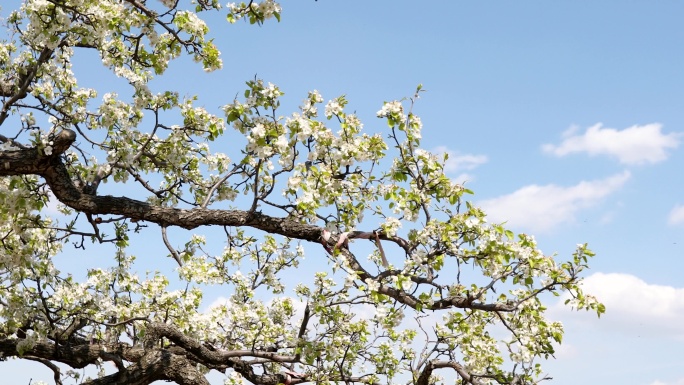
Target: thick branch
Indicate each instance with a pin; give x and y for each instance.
(30, 161)
(76, 355)
(55, 369)
(146, 367)
(210, 356)
(153, 366)
(424, 378)
(226, 358)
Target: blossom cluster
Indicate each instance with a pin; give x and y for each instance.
(256, 12)
(315, 177)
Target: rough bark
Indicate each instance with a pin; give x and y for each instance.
(177, 362)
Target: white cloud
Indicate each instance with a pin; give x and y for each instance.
(219, 301)
(463, 178)
(458, 162)
(636, 307)
(676, 382)
(676, 215)
(633, 145)
(566, 351)
(540, 208)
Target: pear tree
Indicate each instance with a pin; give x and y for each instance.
(343, 255)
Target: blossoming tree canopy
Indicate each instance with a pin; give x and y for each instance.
(405, 281)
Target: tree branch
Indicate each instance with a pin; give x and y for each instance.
(424, 378)
(55, 369)
(55, 173)
(210, 356)
(77, 354)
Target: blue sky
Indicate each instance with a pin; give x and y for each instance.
(565, 118)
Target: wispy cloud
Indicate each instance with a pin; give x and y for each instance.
(675, 382)
(540, 208)
(458, 161)
(676, 216)
(633, 145)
